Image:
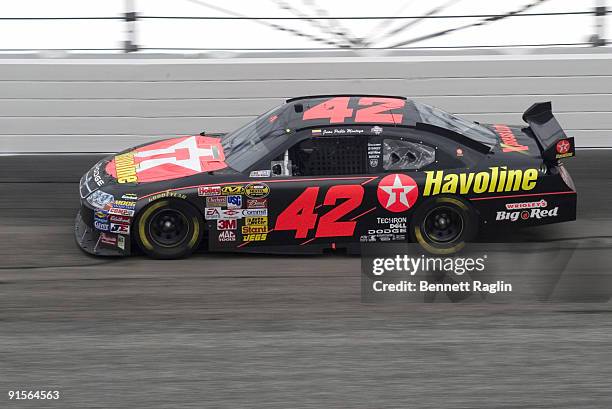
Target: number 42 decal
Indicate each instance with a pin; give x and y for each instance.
(301, 217)
(378, 110)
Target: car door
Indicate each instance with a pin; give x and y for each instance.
(320, 197)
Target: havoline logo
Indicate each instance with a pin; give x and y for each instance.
(495, 180)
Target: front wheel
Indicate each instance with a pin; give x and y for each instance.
(169, 229)
(443, 225)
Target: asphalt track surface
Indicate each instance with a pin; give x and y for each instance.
(271, 331)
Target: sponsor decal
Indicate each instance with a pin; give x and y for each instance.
(390, 225)
(254, 212)
(382, 238)
(121, 242)
(495, 180)
(374, 150)
(260, 173)
(124, 204)
(169, 159)
(509, 142)
(215, 213)
(216, 201)
(257, 190)
(212, 213)
(257, 203)
(100, 215)
(130, 196)
(254, 229)
(121, 212)
(526, 214)
(232, 190)
(389, 229)
(227, 235)
(103, 226)
(256, 237)
(227, 224)
(167, 193)
(376, 130)
(526, 205)
(397, 192)
(125, 168)
(111, 240)
(209, 190)
(459, 152)
(96, 175)
(100, 199)
(256, 221)
(120, 228)
(234, 202)
(316, 132)
(272, 118)
(231, 214)
(119, 219)
(564, 148)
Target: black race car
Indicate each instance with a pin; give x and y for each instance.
(329, 172)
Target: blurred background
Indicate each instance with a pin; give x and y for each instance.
(99, 76)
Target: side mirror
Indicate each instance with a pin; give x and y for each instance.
(278, 168)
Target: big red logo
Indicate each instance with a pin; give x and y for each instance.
(169, 159)
(397, 192)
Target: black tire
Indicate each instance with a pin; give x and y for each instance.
(444, 224)
(169, 229)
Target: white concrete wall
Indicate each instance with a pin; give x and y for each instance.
(104, 105)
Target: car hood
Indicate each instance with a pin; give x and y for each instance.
(167, 159)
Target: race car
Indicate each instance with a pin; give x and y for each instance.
(329, 172)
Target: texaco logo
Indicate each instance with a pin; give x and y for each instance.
(397, 192)
(563, 146)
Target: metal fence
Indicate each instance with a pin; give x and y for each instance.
(331, 35)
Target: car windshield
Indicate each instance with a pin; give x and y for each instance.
(443, 119)
(249, 143)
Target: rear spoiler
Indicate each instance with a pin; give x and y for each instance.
(554, 143)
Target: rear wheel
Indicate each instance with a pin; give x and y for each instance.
(443, 225)
(169, 229)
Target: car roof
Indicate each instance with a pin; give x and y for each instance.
(394, 110)
(363, 109)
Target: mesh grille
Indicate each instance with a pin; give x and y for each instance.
(331, 156)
